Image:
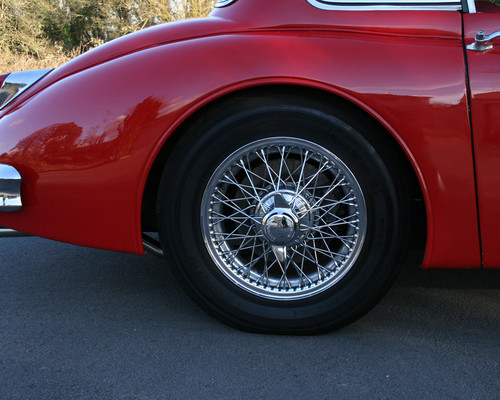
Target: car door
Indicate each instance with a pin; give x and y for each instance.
(484, 77)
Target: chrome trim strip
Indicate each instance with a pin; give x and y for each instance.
(471, 5)
(10, 233)
(10, 189)
(224, 3)
(401, 3)
(17, 82)
(390, 5)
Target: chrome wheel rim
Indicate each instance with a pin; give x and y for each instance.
(283, 218)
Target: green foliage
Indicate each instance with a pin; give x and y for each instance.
(34, 27)
(47, 32)
(73, 23)
(21, 28)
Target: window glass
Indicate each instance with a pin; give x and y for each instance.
(487, 5)
(355, 5)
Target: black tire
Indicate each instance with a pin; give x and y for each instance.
(347, 262)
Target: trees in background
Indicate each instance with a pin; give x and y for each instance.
(73, 23)
(41, 29)
(21, 26)
(46, 33)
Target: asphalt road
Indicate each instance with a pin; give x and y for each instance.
(78, 323)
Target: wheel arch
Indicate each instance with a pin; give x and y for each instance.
(382, 130)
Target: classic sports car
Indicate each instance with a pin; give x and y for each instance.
(279, 148)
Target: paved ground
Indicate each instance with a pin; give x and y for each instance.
(78, 323)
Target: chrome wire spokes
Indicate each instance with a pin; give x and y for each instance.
(283, 218)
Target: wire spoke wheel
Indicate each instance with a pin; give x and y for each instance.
(283, 218)
(284, 214)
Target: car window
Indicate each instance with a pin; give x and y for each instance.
(359, 5)
(487, 5)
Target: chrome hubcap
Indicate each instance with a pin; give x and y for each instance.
(279, 227)
(283, 218)
(286, 217)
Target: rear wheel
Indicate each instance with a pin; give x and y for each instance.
(282, 216)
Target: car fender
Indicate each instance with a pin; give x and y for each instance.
(85, 143)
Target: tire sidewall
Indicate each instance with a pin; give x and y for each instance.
(182, 188)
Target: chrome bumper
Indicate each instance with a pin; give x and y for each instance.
(9, 233)
(10, 189)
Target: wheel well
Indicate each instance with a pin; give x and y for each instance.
(388, 142)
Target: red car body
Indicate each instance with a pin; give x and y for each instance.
(85, 138)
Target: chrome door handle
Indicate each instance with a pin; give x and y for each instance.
(482, 41)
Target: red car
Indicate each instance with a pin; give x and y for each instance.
(277, 147)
